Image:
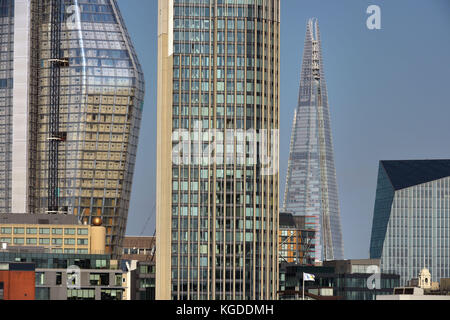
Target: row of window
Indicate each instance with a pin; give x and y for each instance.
(45, 241)
(54, 231)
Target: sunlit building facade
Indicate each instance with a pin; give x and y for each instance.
(217, 219)
(311, 187)
(411, 221)
(70, 141)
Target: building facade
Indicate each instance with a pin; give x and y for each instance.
(410, 229)
(341, 279)
(296, 243)
(17, 281)
(311, 187)
(69, 144)
(139, 248)
(52, 233)
(70, 276)
(218, 94)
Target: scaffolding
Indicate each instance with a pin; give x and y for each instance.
(55, 136)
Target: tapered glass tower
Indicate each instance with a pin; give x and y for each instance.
(217, 178)
(71, 97)
(311, 188)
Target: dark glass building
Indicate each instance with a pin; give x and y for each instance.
(411, 221)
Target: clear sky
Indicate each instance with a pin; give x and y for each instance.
(388, 92)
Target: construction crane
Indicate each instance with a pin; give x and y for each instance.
(55, 136)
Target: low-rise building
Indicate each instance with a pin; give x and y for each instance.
(71, 276)
(139, 268)
(17, 281)
(56, 233)
(342, 279)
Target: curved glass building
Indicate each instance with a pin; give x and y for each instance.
(411, 221)
(78, 97)
(311, 187)
(217, 209)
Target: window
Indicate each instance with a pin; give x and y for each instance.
(57, 241)
(44, 230)
(83, 231)
(69, 241)
(19, 230)
(99, 279)
(31, 230)
(44, 241)
(82, 242)
(69, 231)
(40, 278)
(57, 231)
(31, 241)
(58, 278)
(6, 230)
(19, 241)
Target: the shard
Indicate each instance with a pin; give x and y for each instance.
(311, 187)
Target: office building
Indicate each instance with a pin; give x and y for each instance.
(217, 156)
(410, 229)
(361, 279)
(311, 187)
(71, 98)
(51, 233)
(296, 243)
(341, 279)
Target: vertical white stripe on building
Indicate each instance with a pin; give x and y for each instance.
(20, 129)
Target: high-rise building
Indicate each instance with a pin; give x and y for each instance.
(410, 229)
(311, 187)
(218, 101)
(71, 98)
(295, 241)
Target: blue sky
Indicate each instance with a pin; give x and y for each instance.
(387, 90)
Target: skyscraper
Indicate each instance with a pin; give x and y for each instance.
(71, 97)
(411, 229)
(311, 188)
(218, 105)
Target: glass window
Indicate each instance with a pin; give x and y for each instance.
(83, 231)
(6, 230)
(44, 230)
(19, 230)
(69, 231)
(31, 230)
(58, 231)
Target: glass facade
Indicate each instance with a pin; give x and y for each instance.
(100, 92)
(311, 187)
(225, 73)
(411, 228)
(6, 92)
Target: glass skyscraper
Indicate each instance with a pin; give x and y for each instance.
(411, 221)
(217, 210)
(311, 187)
(69, 144)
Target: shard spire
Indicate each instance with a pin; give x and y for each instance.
(311, 187)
